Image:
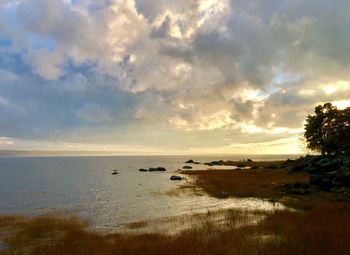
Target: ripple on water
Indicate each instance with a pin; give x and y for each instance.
(85, 185)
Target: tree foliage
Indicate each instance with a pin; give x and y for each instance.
(328, 130)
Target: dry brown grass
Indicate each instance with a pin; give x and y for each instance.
(261, 183)
(322, 229)
(137, 225)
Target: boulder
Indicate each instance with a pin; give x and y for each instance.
(325, 184)
(343, 176)
(187, 167)
(330, 165)
(175, 178)
(143, 170)
(323, 161)
(315, 179)
(346, 163)
(301, 185)
(215, 163)
(189, 161)
(157, 169)
(297, 168)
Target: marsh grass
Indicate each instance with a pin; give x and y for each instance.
(262, 183)
(137, 225)
(323, 228)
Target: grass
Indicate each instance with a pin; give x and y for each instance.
(137, 225)
(323, 228)
(262, 183)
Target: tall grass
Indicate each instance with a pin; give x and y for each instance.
(324, 228)
(263, 183)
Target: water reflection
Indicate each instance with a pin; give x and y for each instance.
(86, 186)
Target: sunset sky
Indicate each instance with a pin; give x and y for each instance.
(169, 77)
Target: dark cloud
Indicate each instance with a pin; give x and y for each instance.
(248, 70)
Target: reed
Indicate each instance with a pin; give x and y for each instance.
(323, 228)
(263, 183)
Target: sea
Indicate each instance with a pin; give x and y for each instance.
(85, 186)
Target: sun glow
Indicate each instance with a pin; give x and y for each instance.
(337, 86)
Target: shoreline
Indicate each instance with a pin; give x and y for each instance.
(272, 180)
(225, 231)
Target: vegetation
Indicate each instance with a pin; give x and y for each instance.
(278, 232)
(263, 183)
(328, 130)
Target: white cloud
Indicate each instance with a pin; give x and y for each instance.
(45, 63)
(245, 66)
(6, 141)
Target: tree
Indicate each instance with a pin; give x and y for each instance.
(328, 131)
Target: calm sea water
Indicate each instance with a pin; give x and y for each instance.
(86, 186)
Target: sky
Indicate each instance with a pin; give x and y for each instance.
(169, 77)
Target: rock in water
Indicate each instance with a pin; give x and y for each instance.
(143, 170)
(187, 167)
(175, 178)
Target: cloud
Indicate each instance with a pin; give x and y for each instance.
(8, 76)
(45, 63)
(6, 141)
(226, 66)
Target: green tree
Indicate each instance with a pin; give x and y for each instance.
(328, 130)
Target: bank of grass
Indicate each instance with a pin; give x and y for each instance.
(323, 228)
(272, 180)
(264, 181)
